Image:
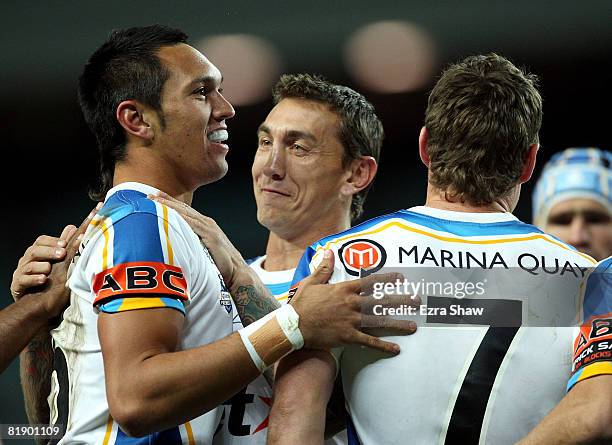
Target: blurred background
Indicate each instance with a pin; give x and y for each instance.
(389, 51)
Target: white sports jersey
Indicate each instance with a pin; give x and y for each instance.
(136, 254)
(456, 382)
(245, 421)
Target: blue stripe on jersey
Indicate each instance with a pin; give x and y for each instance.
(303, 270)
(598, 293)
(459, 228)
(573, 380)
(170, 436)
(351, 432)
(136, 238)
(279, 288)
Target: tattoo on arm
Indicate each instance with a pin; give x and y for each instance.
(36, 365)
(254, 302)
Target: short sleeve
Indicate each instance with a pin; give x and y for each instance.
(593, 344)
(139, 262)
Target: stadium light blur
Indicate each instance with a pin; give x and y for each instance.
(391, 57)
(250, 65)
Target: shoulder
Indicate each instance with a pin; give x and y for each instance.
(369, 227)
(131, 227)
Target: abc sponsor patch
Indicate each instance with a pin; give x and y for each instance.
(140, 278)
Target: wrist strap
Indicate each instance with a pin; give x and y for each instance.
(272, 337)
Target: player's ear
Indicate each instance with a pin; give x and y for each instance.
(423, 153)
(137, 120)
(530, 161)
(362, 172)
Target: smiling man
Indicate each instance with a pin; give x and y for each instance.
(145, 347)
(316, 158)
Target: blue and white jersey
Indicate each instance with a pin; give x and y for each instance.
(136, 254)
(593, 343)
(245, 421)
(457, 381)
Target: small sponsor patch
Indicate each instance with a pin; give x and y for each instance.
(362, 254)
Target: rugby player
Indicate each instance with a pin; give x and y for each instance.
(456, 380)
(572, 200)
(148, 305)
(316, 158)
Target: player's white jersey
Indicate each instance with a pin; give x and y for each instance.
(136, 254)
(245, 421)
(455, 382)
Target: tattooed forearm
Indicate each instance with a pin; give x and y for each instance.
(253, 301)
(35, 369)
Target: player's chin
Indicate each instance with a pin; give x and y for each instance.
(221, 169)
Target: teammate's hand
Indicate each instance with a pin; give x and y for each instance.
(226, 256)
(43, 268)
(336, 314)
(35, 264)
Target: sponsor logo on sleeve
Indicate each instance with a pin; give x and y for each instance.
(140, 278)
(593, 343)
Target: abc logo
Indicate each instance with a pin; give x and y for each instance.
(362, 254)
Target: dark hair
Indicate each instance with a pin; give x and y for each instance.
(124, 67)
(361, 132)
(482, 116)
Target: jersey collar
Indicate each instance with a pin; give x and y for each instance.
(138, 186)
(464, 216)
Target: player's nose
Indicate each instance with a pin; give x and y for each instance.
(275, 166)
(223, 109)
(579, 234)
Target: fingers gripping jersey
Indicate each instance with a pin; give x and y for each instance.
(136, 255)
(593, 344)
(456, 383)
(245, 419)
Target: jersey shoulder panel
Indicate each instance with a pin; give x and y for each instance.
(592, 353)
(141, 258)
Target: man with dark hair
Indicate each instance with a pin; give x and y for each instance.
(457, 379)
(151, 354)
(127, 66)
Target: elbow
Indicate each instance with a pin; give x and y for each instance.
(131, 415)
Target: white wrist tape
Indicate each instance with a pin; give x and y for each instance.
(266, 343)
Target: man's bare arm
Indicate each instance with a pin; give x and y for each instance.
(251, 297)
(145, 376)
(583, 416)
(18, 324)
(36, 363)
(45, 264)
(303, 386)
